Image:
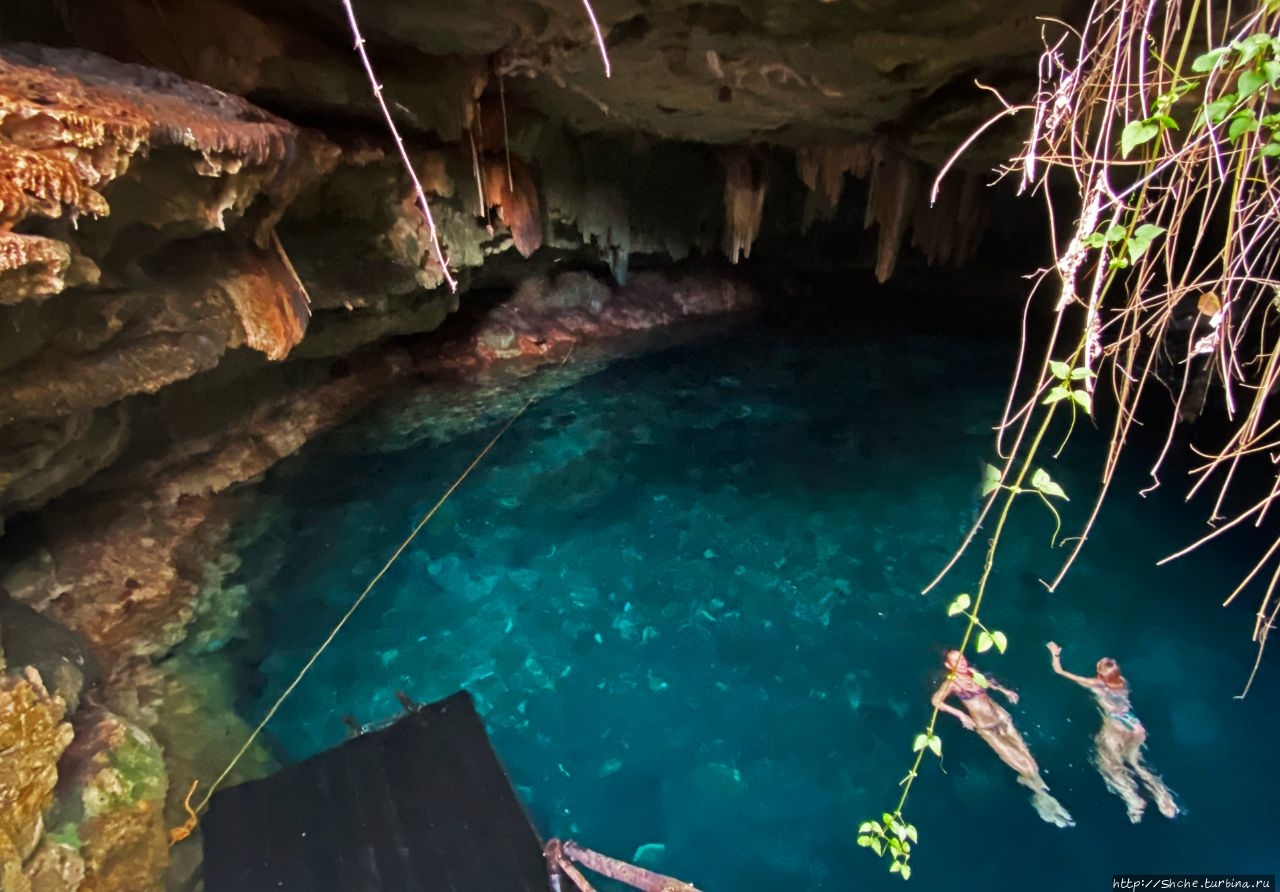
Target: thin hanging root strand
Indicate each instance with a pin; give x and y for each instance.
(506, 136)
(595, 24)
(404, 154)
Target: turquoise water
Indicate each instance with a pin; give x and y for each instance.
(684, 593)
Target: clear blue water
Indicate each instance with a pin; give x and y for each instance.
(684, 593)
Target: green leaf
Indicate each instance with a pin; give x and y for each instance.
(895, 845)
(886, 819)
(1209, 61)
(1216, 112)
(864, 841)
(959, 605)
(877, 846)
(906, 871)
(1271, 68)
(1083, 400)
(1166, 122)
(1094, 240)
(1142, 238)
(980, 680)
(1058, 392)
(1251, 46)
(899, 830)
(1115, 232)
(911, 833)
(1243, 123)
(1042, 482)
(1081, 373)
(1136, 133)
(1059, 369)
(1270, 150)
(895, 867)
(990, 479)
(935, 744)
(984, 642)
(866, 827)
(921, 741)
(1250, 82)
(1000, 641)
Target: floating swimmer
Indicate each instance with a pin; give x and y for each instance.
(995, 726)
(1120, 739)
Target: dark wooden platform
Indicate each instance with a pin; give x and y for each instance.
(421, 805)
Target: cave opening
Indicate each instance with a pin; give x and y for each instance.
(754, 348)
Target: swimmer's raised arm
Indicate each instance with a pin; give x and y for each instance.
(1055, 653)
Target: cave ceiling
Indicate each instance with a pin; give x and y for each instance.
(787, 72)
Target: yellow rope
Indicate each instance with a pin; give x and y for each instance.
(177, 834)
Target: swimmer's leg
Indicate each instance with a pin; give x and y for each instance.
(1114, 769)
(1161, 794)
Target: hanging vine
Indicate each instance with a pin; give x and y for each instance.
(1167, 281)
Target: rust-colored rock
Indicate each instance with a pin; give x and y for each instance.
(513, 191)
(270, 301)
(33, 737)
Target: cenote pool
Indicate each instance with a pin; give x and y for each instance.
(684, 592)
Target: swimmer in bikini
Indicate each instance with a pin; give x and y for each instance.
(1120, 739)
(995, 726)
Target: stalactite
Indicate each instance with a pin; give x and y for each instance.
(891, 200)
(510, 187)
(949, 231)
(743, 205)
(822, 169)
(605, 220)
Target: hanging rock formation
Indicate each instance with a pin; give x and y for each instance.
(744, 190)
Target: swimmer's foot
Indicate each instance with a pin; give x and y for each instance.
(1135, 812)
(1051, 810)
(1167, 806)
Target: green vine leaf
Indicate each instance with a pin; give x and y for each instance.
(1081, 373)
(1216, 112)
(1059, 369)
(1083, 400)
(1142, 238)
(1250, 82)
(1058, 392)
(935, 744)
(1271, 68)
(906, 871)
(1043, 483)
(1137, 133)
(990, 480)
(1206, 62)
(1242, 123)
(921, 741)
(984, 642)
(959, 605)
(999, 640)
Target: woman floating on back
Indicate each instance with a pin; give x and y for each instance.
(995, 726)
(1120, 739)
